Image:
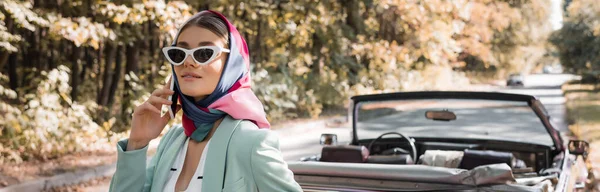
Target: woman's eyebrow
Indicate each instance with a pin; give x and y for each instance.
(182, 44)
(205, 43)
(186, 45)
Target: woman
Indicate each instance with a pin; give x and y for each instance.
(221, 144)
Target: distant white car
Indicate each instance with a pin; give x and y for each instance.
(515, 79)
(548, 69)
(552, 69)
(558, 69)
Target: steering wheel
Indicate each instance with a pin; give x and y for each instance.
(410, 141)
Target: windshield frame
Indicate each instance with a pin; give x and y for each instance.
(531, 101)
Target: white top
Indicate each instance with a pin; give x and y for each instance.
(196, 182)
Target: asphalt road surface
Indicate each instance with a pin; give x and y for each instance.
(547, 88)
(306, 143)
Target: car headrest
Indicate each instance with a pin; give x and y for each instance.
(474, 158)
(344, 153)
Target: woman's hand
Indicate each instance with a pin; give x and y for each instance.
(147, 122)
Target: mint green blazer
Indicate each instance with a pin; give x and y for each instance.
(240, 157)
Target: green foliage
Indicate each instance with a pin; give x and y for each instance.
(23, 16)
(578, 42)
(306, 56)
(22, 13)
(80, 30)
(50, 123)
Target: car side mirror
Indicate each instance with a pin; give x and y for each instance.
(328, 139)
(579, 147)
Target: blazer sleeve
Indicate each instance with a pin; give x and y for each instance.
(269, 170)
(131, 173)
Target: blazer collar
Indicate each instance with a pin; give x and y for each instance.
(216, 157)
(166, 161)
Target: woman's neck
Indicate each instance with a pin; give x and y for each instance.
(212, 130)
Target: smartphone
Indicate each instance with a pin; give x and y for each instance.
(173, 106)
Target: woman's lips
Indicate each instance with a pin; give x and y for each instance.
(190, 78)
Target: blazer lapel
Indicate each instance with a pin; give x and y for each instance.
(166, 161)
(216, 157)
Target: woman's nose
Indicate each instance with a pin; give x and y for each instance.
(189, 61)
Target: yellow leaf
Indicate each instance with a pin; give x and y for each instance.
(288, 15)
(15, 125)
(66, 98)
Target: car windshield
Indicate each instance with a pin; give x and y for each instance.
(475, 119)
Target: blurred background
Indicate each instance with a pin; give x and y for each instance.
(72, 71)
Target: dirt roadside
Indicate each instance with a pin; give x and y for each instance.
(583, 107)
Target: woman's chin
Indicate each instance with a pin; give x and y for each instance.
(191, 93)
(195, 93)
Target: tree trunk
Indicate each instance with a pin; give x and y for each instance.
(353, 17)
(131, 67)
(151, 51)
(98, 70)
(25, 64)
(36, 3)
(154, 53)
(316, 51)
(89, 62)
(110, 51)
(12, 71)
(3, 58)
(132, 53)
(35, 54)
(204, 6)
(52, 60)
(257, 51)
(75, 70)
(388, 29)
(116, 77)
(9, 28)
(31, 54)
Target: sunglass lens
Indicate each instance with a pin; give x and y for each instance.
(203, 55)
(176, 55)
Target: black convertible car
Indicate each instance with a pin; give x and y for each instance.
(446, 141)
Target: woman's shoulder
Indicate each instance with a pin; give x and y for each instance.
(248, 134)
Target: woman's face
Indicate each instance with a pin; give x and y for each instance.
(194, 80)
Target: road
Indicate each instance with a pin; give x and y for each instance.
(547, 88)
(297, 144)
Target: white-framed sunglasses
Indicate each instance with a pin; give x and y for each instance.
(201, 55)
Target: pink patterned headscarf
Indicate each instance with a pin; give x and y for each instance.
(233, 95)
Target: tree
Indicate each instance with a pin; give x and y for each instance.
(578, 41)
(307, 56)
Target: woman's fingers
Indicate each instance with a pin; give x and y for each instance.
(164, 93)
(157, 101)
(150, 107)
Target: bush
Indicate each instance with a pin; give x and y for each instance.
(590, 77)
(49, 124)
